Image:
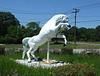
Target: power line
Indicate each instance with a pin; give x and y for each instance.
(72, 22)
(91, 7)
(85, 21)
(25, 12)
(33, 13)
(88, 21)
(88, 16)
(68, 12)
(94, 4)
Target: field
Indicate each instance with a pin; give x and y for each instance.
(59, 46)
(10, 68)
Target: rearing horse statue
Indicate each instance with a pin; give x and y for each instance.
(48, 31)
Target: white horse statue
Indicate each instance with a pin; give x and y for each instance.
(48, 31)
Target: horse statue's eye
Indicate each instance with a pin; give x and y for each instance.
(58, 23)
(64, 21)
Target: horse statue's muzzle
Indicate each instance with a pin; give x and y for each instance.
(69, 26)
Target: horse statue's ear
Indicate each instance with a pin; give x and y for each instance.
(56, 23)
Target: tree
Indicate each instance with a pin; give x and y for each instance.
(13, 35)
(34, 28)
(90, 34)
(82, 34)
(97, 33)
(6, 20)
(32, 25)
(71, 33)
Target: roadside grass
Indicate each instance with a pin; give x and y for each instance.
(88, 42)
(13, 45)
(59, 46)
(74, 46)
(10, 67)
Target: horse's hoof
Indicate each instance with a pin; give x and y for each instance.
(29, 61)
(23, 59)
(40, 59)
(32, 58)
(36, 59)
(64, 45)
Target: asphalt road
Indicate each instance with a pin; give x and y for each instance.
(84, 43)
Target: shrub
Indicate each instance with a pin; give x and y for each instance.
(2, 50)
(10, 51)
(56, 51)
(67, 50)
(73, 70)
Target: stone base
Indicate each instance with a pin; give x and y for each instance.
(43, 64)
(47, 63)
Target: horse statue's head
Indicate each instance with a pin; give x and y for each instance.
(61, 18)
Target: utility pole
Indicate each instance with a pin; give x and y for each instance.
(75, 11)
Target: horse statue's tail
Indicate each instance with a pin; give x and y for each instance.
(25, 43)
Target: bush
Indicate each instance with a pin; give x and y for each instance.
(73, 70)
(67, 51)
(2, 50)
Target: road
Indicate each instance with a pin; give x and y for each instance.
(84, 43)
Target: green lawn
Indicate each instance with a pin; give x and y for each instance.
(8, 66)
(59, 46)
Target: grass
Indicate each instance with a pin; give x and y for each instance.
(8, 66)
(13, 45)
(59, 46)
(88, 42)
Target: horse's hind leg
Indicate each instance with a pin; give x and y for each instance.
(32, 53)
(24, 51)
(28, 54)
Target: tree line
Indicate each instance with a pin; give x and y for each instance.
(11, 31)
(84, 34)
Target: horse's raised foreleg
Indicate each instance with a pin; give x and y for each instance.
(59, 25)
(65, 40)
(32, 53)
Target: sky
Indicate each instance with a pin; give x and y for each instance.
(42, 10)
